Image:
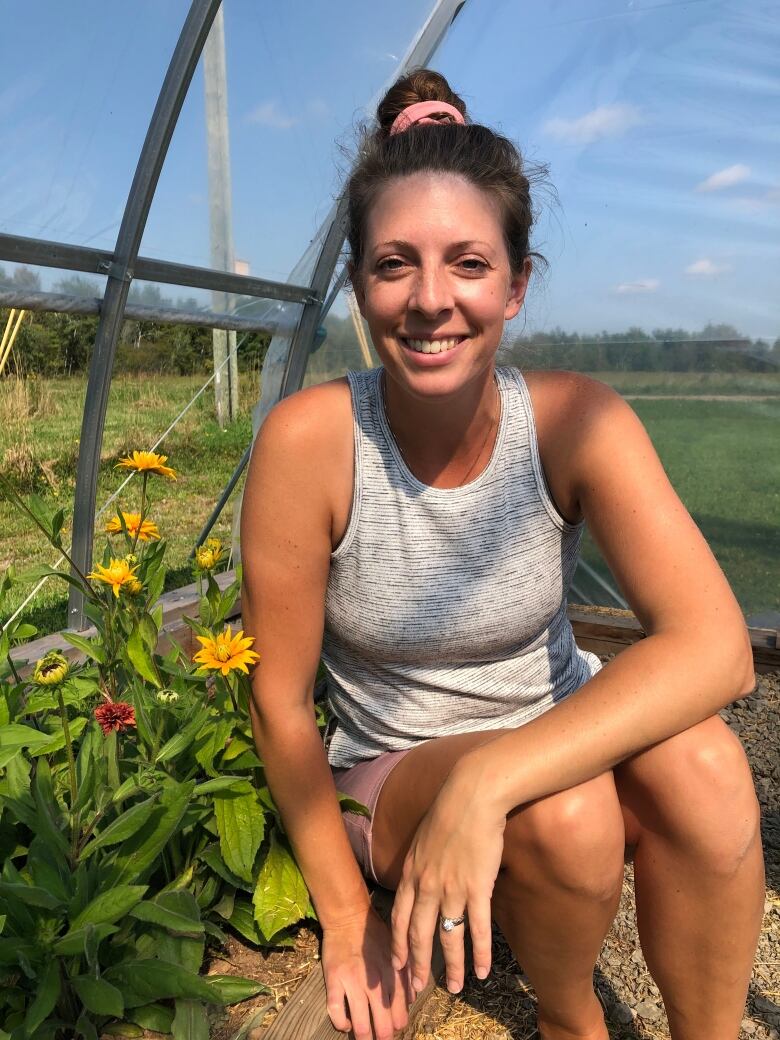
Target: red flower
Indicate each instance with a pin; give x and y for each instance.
(116, 715)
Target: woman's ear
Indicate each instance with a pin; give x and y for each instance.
(517, 289)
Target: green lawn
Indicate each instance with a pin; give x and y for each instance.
(720, 455)
(722, 458)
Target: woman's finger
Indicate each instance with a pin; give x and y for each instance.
(399, 920)
(480, 929)
(381, 1014)
(452, 944)
(336, 1008)
(358, 1010)
(397, 988)
(422, 926)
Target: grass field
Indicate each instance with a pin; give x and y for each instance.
(720, 455)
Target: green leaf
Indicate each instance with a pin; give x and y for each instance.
(49, 820)
(92, 648)
(152, 1016)
(145, 981)
(15, 736)
(141, 657)
(241, 825)
(353, 806)
(57, 742)
(280, 897)
(212, 858)
(212, 741)
(48, 993)
(123, 827)
(159, 912)
(24, 631)
(182, 740)
(232, 989)
(74, 942)
(219, 783)
(32, 895)
(190, 1021)
(124, 1029)
(109, 906)
(98, 996)
(142, 849)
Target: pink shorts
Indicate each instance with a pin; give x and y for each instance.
(363, 782)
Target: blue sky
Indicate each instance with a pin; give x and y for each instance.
(658, 121)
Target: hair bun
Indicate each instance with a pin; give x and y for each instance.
(419, 85)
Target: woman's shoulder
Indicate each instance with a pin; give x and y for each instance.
(572, 411)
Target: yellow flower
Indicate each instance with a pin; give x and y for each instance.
(147, 533)
(208, 555)
(118, 573)
(147, 462)
(225, 652)
(134, 586)
(51, 669)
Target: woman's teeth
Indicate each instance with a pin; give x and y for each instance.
(435, 346)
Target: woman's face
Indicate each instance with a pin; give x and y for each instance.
(435, 284)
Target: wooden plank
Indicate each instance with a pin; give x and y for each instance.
(305, 1015)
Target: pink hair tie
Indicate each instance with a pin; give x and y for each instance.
(421, 112)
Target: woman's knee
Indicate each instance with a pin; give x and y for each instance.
(574, 840)
(696, 790)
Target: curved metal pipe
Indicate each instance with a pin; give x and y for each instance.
(155, 148)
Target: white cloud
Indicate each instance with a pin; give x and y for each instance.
(706, 268)
(269, 114)
(604, 121)
(318, 107)
(644, 285)
(725, 178)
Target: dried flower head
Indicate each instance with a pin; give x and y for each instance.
(51, 670)
(116, 715)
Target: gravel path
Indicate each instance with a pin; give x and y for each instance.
(502, 1007)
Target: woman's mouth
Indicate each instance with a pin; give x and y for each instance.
(432, 346)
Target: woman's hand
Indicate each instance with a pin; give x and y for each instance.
(356, 964)
(450, 869)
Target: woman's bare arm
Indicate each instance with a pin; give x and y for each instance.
(285, 545)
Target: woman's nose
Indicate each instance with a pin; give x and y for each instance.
(431, 293)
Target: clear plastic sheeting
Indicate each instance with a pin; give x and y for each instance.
(80, 82)
(298, 77)
(343, 343)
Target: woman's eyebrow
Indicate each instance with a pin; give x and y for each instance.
(399, 243)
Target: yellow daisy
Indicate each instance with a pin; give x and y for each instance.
(147, 462)
(148, 531)
(118, 573)
(225, 652)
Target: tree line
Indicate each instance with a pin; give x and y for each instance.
(52, 344)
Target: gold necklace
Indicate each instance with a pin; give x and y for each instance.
(469, 471)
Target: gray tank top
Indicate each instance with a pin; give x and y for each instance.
(446, 608)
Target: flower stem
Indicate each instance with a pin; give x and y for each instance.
(112, 760)
(143, 511)
(74, 789)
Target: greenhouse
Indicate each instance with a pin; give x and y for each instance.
(174, 263)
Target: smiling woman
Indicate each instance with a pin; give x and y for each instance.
(418, 526)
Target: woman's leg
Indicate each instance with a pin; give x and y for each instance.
(558, 887)
(699, 875)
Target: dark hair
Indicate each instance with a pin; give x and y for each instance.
(478, 154)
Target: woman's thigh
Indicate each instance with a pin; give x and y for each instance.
(414, 783)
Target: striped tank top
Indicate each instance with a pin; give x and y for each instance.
(445, 609)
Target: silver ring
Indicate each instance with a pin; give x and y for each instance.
(449, 923)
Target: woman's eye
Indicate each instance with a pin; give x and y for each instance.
(385, 265)
(474, 264)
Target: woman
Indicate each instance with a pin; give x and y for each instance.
(419, 524)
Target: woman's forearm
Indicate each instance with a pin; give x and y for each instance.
(655, 689)
(302, 785)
